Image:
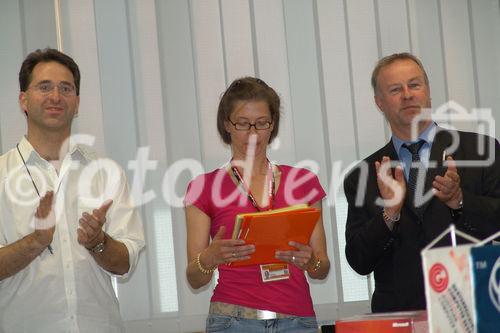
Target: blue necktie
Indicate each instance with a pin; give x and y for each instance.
(416, 166)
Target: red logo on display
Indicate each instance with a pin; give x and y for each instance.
(438, 277)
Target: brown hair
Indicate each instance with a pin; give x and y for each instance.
(47, 55)
(247, 89)
(386, 61)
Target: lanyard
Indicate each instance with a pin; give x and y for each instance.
(28, 170)
(241, 182)
(34, 185)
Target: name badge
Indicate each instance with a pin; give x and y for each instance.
(274, 272)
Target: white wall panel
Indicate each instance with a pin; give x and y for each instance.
(338, 88)
(310, 139)
(120, 122)
(237, 39)
(338, 96)
(80, 41)
(393, 32)
(38, 18)
(393, 27)
(428, 45)
(178, 75)
(458, 55)
(209, 60)
(117, 80)
(12, 120)
(151, 134)
(272, 67)
(364, 54)
(183, 126)
(485, 18)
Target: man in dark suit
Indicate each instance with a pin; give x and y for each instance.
(408, 192)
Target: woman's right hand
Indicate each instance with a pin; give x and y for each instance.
(223, 251)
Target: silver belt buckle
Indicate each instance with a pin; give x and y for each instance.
(266, 315)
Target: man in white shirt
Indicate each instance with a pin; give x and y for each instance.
(67, 222)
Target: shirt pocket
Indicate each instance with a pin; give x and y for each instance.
(18, 221)
(18, 201)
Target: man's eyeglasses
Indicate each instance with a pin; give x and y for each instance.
(46, 87)
(258, 125)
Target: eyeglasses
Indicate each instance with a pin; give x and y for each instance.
(258, 125)
(46, 87)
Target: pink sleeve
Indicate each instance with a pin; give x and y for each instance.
(302, 186)
(197, 195)
(313, 186)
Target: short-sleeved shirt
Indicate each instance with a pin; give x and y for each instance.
(217, 195)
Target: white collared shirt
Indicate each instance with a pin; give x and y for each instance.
(66, 291)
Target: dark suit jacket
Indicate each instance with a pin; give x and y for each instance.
(394, 257)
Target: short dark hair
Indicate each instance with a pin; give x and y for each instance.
(247, 89)
(386, 61)
(47, 55)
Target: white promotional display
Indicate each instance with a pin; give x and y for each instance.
(462, 285)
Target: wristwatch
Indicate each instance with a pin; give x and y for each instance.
(390, 221)
(99, 248)
(456, 213)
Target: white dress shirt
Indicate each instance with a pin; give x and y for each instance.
(66, 291)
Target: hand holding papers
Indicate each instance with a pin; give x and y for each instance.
(272, 230)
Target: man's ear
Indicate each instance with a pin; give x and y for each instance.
(23, 102)
(77, 109)
(378, 102)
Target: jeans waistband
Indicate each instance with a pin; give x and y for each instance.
(240, 311)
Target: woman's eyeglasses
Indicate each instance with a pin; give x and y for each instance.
(245, 125)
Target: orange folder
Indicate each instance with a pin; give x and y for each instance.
(272, 230)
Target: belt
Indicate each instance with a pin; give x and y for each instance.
(239, 311)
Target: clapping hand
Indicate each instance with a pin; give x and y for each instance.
(392, 188)
(90, 231)
(447, 188)
(45, 223)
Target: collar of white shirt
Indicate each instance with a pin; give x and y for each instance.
(76, 152)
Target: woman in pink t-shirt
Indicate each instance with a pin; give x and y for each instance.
(252, 298)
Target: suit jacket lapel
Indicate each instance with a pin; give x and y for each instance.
(389, 151)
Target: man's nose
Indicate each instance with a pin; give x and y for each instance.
(407, 93)
(55, 94)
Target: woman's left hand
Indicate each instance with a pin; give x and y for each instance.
(302, 257)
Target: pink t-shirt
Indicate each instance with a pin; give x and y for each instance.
(217, 196)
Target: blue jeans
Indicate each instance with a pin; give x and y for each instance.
(229, 324)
